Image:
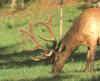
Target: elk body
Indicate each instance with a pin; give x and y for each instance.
(86, 31)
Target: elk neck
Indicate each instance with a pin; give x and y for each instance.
(70, 41)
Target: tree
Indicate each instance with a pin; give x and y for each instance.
(17, 4)
(4, 2)
(14, 4)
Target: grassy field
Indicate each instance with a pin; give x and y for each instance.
(17, 65)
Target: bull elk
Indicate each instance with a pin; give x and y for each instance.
(84, 31)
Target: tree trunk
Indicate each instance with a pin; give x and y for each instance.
(21, 4)
(14, 4)
(17, 4)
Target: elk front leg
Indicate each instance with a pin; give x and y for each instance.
(90, 57)
(59, 62)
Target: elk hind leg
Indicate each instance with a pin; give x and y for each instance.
(90, 57)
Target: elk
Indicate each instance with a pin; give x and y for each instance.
(84, 31)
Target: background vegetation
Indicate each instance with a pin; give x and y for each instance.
(16, 64)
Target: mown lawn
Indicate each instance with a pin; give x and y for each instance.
(17, 65)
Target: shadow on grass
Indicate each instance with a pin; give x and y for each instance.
(94, 78)
(54, 78)
(59, 78)
(82, 56)
(17, 59)
(21, 59)
(51, 78)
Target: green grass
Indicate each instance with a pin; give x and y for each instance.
(41, 72)
(17, 65)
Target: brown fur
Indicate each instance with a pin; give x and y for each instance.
(86, 31)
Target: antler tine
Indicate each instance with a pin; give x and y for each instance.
(39, 58)
(30, 27)
(48, 26)
(30, 34)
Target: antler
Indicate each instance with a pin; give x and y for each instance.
(48, 26)
(46, 53)
(31, 35)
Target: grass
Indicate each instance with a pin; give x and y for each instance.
(17, 65)
(41, 72)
